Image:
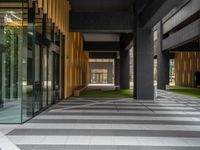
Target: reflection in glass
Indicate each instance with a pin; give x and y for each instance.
(11, 42)
(37, 79)
(50, 77)
(44, 77)
(29, 74)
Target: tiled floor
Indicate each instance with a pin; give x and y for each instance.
(169, 123)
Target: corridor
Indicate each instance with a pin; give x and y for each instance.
(172, 122)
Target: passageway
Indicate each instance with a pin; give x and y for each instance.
(172, 122)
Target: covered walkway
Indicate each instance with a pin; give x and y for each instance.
(172, 122)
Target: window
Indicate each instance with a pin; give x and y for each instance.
(99, 76)
(155, 35)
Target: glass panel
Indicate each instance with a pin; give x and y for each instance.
(155, 72)
(27, 86)
(56, 76)
(11, 42)
(50, 78)
(172, 72)
(37, 79)
(27, 70)
(131, 67)
(44, 77)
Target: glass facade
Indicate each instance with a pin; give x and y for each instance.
(99, 76)
(29, 59)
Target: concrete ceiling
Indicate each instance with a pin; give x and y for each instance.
(105, 22)
(101, 37)
(101, 5)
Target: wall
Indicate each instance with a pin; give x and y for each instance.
(186, 64)
(76, 63)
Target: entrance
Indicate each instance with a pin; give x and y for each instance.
(99, 76)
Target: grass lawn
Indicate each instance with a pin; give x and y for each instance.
(108, 94)
(194, 92)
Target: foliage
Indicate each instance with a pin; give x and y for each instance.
(11, 59)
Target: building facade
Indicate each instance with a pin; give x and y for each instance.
(41, 62)
(177, 43)
(45, 46)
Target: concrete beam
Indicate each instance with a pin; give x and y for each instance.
(189, 47)
(101, 22)
(192, 7)
(182, 36)
(100, 55)
(101, 46)
(155, 11)
(126, 41)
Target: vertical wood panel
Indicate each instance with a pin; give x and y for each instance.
(186, 65)
(75, 59)
(49, 9)
(53, 11)
(40, 3)
(45, 4)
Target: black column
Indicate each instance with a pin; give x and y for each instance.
(163, 62)
(124, 69)
(143, 63)
(117, 71)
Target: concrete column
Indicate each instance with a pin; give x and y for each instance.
(124, 69)
(117, 71)
(163, 62)
(143, 63)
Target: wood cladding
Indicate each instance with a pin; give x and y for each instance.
(76, 63)
(58, 11)
(186, 65)
(75, 59)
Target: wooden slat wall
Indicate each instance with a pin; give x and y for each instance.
(75, 59)
(186, 64)
(76, 68)
(58, 12)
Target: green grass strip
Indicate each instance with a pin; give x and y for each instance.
(194, 92)
(127, 93)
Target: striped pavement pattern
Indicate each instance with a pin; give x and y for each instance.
(172, 122)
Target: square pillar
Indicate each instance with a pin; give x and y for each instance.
(124, 69)
(143, 63)
(117, 71)
(163, 62)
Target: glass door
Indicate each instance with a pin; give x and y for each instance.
(99, 76)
